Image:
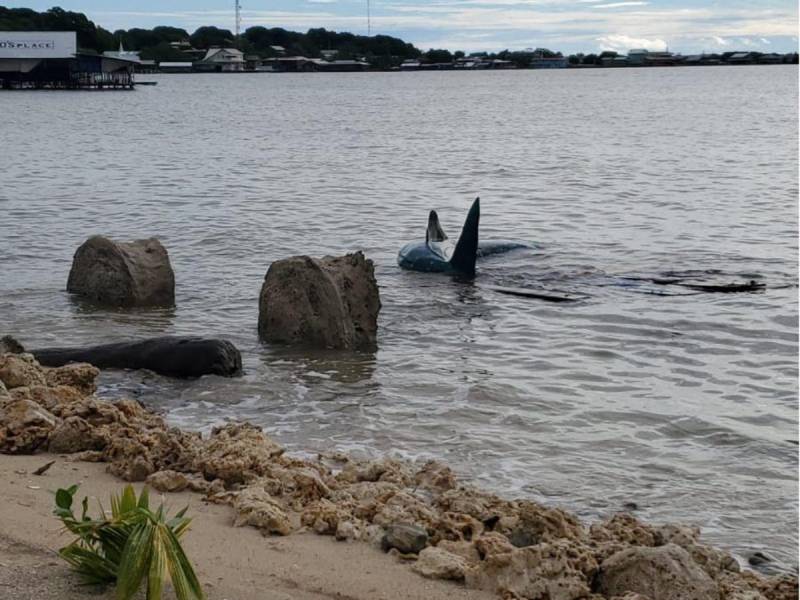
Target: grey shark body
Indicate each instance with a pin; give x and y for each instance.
(438, 254)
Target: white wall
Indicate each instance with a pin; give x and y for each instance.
(37, 44)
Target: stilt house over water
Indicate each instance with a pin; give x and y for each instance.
(50, 60)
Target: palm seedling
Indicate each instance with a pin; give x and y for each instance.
(130, 545)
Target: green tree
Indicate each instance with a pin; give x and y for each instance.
(208, 36)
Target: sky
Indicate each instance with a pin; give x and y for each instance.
(687, 26)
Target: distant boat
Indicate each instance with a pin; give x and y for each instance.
(145, 83)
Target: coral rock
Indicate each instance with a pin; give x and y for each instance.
(168, 481)
(541, 524)
(24, 426)
(661, 573)
(682, 535)
(385, 470)
(17, 370)
(548, 571)
(51, 398)
(435, 477)
(80, 376)
(72, 435)
(466, 550)
(324, 517)
(624, 529)
(437, 563)
(237, 453)
(257, 508)
(346, 531)
(492, 543)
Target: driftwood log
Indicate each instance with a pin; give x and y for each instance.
(184, 357)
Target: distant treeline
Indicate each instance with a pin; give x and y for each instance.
(164, 43)
(176, 44)
(160, 43)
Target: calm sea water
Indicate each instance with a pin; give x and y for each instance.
(685, 405)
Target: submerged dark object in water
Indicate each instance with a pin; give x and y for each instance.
(174, 356)
(438, 255)
(699, 286)
(546, 295)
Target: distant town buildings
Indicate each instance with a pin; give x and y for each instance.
(52, 60)
(31, 58)
(221, 60)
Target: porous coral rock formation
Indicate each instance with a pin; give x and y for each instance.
(661, 573)
(257, 508)
(20, 370)
(437, 563)
(435, 477)
(548, 571)
(168, 480)
(236, 453)
(24, 426)
(324, 517)
(80, 376)
(72, 435)
(492, 543)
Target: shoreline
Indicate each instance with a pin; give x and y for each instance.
(482, 544)
(238, 564)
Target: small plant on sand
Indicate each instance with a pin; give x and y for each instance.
(129, 545)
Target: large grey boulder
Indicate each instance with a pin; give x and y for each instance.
(325, 303)
(661, 573)
(122, 274)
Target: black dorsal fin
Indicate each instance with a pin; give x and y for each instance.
(466, 251)
(434, 233)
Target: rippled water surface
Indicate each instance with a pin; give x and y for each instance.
(685, 405)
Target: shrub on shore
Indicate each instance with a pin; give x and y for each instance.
(131, 544)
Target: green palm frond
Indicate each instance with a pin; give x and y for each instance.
(133, 544)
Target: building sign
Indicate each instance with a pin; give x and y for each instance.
(37, 44)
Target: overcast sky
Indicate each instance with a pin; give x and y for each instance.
(685, 26)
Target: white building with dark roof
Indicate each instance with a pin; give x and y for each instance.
(222, 59)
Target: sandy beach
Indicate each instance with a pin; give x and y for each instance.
(233, 564)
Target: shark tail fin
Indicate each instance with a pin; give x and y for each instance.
(466, 251)
(434, 233)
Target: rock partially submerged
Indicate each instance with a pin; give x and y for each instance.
(324, 303)
(170, 355)
(518, 549)
(122, 274)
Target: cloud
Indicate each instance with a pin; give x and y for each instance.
(623, 43)
(566, 25)
(619, 4)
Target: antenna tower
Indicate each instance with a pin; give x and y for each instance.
(238, 17)
(369, 21)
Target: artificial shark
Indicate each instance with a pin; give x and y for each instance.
(438, 254)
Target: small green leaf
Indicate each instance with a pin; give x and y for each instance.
(64, 498)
